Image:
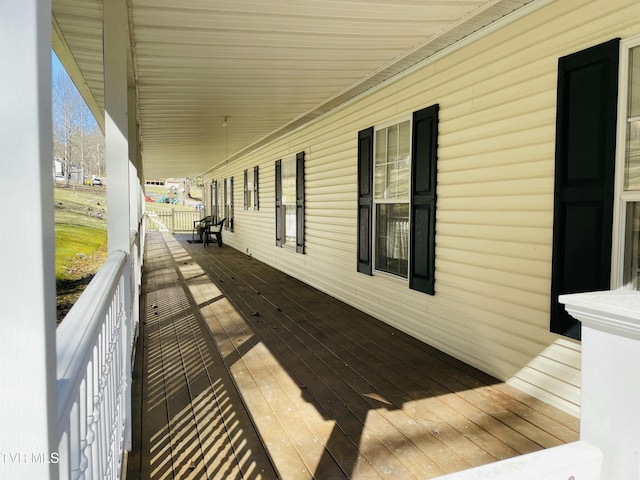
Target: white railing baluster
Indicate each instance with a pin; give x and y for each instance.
(101, 399)
(89, 434)
(95, 345)
(83, 419)
(93, 434)
(64, 456)
(74, 437)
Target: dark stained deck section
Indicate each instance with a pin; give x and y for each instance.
(245, 372)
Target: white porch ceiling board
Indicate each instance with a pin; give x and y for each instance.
(80, 49)
(269, 65)
(282, 12)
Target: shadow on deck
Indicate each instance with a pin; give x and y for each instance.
(245, 372)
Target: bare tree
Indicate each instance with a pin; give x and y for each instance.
(95, 151)
(77, 139)
(66, 104)
(80, 138)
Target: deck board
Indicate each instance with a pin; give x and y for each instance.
(194, 423)
(257, 375)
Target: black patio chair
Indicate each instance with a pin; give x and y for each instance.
(213, 229)
(198, 226)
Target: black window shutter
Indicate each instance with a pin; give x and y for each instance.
(212, 211)
(584, 177)
(279, 203)
(424, 153)
(365, 199)
(246, 190)
(215, 200)
(300, 202)
(225, 202)
(231, 204)
(256, 205)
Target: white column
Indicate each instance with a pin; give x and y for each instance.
(610, 405)
(116, 123)
(119, 227)
(134, 157)
(28, 410)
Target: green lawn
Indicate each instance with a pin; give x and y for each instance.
(80, 251)
(81, 237)
(81, 232)
(81, 241)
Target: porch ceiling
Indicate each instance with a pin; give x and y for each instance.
(268, 65)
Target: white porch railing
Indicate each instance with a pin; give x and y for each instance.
(94, 349)
(173, 220)
(609, 415)
(577, 460)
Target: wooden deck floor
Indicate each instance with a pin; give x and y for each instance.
(245, 372)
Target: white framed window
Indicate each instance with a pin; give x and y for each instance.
(626, 251)
(214, 200)
(248, 188)
(392, 177)
(397, 183)
(289, 201)
(251, 189)
(228, 203)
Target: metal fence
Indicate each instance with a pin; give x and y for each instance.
(172, 220)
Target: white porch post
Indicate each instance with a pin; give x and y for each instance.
(610, 417)
(116, 123)
(28, 408)
(137, 200)
(119, 226)
(134, 159)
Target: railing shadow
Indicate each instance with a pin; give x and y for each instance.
(348, 370)
(194, 424)
(336, 394)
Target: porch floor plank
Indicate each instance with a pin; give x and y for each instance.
(194, 423)
(249, 373)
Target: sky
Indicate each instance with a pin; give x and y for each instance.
(56, 68)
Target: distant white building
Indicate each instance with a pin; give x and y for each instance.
(174, 183)
(58, 171)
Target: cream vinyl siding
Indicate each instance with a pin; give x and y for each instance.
(497, 97)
